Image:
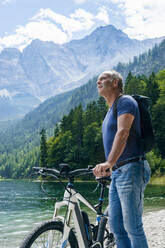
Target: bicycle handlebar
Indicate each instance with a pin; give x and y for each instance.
(55, 173)
(68, 173)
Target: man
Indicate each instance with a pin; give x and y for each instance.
(125, 162)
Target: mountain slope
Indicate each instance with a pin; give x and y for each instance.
(145, 63)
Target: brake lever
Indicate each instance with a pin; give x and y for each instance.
(90, 167)
(40, 172)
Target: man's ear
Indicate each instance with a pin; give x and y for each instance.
(115, 82)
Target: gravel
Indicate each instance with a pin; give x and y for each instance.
(154, 226)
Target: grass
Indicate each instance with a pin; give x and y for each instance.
(158, 180)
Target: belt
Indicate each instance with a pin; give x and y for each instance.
(120, 164)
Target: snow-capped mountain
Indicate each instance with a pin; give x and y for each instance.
(45, 69)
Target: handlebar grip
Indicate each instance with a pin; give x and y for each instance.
(42, 169)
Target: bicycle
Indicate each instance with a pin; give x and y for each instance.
(58, 233)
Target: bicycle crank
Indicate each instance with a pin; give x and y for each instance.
(96, 245)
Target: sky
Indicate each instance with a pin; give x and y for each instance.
(22, 21)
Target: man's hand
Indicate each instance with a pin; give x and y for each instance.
(100, 169)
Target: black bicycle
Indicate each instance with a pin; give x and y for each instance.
(58, 232)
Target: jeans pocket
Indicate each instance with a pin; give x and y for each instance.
(146, 172)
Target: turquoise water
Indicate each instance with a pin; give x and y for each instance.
(23, 205)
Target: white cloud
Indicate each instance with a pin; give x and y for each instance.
(103, 15)
(144, 18)
(33, 30)
(80, 1)
(85, 19)
(4, 93)
(77, 21)
(47, 25)
(4, 2)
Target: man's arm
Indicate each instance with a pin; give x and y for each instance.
(124, 123)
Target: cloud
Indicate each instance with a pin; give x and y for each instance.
(80, 1)
(48, 25)
(144, 18)
(103, 15)
(4, 2)
(33, 30)
(77, 21)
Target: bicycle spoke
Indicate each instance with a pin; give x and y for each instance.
(54, 237)
(36, 243)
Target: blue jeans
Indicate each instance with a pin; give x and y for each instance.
(126, 204)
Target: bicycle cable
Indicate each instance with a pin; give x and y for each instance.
(60, 181)
(42, 183)
(46, 193)
(97, 186)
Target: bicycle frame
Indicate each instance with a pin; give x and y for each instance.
(71, 199)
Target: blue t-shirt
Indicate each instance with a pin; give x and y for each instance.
(126, 104)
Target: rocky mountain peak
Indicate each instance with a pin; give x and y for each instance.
(10, 53)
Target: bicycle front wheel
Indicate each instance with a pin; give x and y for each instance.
(49, 234)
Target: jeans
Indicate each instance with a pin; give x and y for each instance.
(126, 204)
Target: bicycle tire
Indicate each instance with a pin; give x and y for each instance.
(31, 240)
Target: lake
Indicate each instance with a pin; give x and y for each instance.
(23, 205)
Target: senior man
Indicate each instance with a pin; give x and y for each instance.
(125, 161)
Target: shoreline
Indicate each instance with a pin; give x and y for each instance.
(154, 180)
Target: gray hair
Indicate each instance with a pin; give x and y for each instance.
(116, 75)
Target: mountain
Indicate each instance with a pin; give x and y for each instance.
(45, 69)
(107, 46)
(17, 105)
(146, 63)
(16, 98)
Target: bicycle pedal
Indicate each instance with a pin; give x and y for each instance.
(110, 242)
(96, 245)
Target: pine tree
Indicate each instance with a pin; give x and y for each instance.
(102, 109)
(134, 85)
(43, 149)
(56, 130)
(153, 90)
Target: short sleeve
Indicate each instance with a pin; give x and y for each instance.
(127, 105)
